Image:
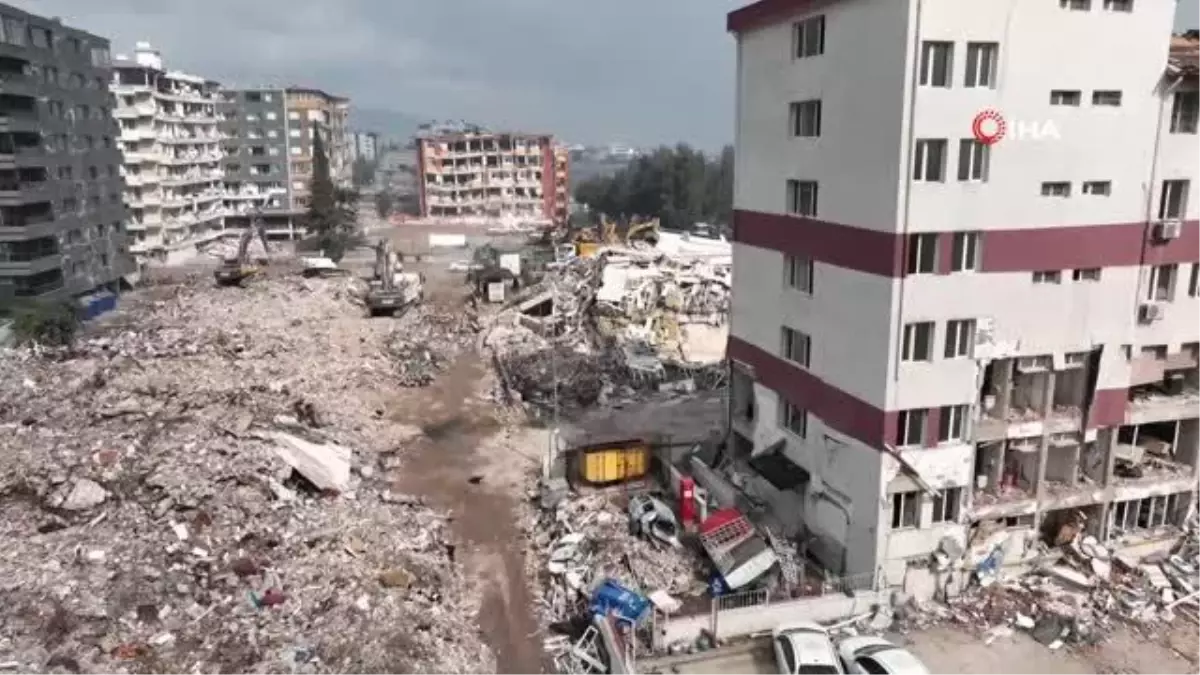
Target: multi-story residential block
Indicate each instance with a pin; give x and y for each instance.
(255, 143)
(965, 292)
(61, 212)
(313, 111)
(483, 175)
(364, 145)
(172, 154)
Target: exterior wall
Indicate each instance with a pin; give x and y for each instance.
(480, 176)
(62, 218)
(309, 111)
(256, 142)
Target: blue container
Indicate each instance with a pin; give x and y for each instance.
(610, 596)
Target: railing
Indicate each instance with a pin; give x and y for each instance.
(25, 256)
(25, 221)
(743, 599)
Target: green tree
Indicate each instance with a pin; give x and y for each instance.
(385, 201)
(362, 172)
(54, 323)
(331, 216)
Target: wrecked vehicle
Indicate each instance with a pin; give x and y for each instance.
(650, 517)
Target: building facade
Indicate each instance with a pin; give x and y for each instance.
(61, 213)
(312, 111)
(365, 145)
(482, 175)
(965, 299)
(172, 156)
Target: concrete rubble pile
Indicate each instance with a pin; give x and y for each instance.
(425, 342)
(1077, 599)
(608, 327)
(227, 247)
(194, 488)
(586, 539)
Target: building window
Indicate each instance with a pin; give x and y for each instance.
(1056, 189)
(14, 31)
(922, 254)
(808, 37)
(806, 119)
(960, 338)
(1047, 277)
(1106, 97)
(793, 419)
(1148, 513)
(797, 346)
(1184, 109)
(1162, 283)
(294, 133)
(293, 114)
(802, 197)
(965, 252)
(1118, 5)
(945, 505)
(936, 63)
(952, 426)
(1101, 188)
(271, 115)
(1065, 97)
(929, 161)
(295, 150)
(1173, 203)
(981, 65)
(973, 159)
(1076, 5)
(910, 427)
(918, 342)
(1194, 281)
(799, 273)
(1086, 274)
(906, 507)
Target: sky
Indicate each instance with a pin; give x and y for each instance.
(641, 72)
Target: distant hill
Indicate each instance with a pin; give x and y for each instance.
(390, 124)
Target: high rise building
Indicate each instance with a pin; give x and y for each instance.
(966, 257)
(365, 145)
(172, 154)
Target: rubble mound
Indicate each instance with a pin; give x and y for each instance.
(176, 495)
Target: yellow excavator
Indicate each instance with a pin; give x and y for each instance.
(234, 271)
(644, 231)
(392, 291)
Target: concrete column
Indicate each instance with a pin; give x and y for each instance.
(1044, 444)
(1002, 371)
(1107, 440)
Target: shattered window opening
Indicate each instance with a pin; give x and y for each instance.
(905, 510)
(945, 505)
(793, 419)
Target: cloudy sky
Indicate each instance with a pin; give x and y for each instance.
(634, 71)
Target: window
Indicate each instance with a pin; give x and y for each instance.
(14, 31)
(936, 63)
(295, 150)
(981, 65)
(273, 151)
(39, 37)
(918, 342)
(1086, 274)
(952, 425)
(1065, 97)
(272, 133)
(294, 133)
(922, 254)
(1184, 110)
(793, 419)
(796, 346)
(1106, 97)
(293, 114)
(271, 115)
(808, 37)
(1101, 188)
(973, 159)
(905, 508)
(1173, 203)
(1194, 281)
(1047, 277)
(1162, 283)
(1118, 5)
(929, 160)
(965, 252)
(806, 119)
(1076, 5)
(1056, 189)
(960, 338)
(802, 197)
(799, 272)
(945, 505)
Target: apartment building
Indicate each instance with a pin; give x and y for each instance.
(312, 111)
(965, 301)
(364, 145)
(481, 175)
(255, 146)
(172, 156)
(61, 213)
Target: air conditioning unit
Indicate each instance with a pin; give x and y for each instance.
(1150, 311)
(1166, 230)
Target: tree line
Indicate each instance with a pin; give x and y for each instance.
(680, 186)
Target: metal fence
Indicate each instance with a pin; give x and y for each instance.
(751, 598)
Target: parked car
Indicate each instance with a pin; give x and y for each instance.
(805, 649)
(874, 655)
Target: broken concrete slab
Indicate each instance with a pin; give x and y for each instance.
(85, 494)
(325, 465)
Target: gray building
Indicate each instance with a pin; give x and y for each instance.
(62, 217)
(254, 137)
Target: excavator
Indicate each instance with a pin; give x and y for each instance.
(392, 291)
(234, 271)
(646, 230)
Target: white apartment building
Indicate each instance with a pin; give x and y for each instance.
(956, 340)
(172, 156)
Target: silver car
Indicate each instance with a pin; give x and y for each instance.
(876, 656)
(805, 649)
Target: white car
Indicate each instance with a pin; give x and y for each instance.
(874, 655)
(805, 649)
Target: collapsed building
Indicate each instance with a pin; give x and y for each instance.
(951, 366)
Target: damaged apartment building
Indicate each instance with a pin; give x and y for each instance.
(955, 341)
(477, 176)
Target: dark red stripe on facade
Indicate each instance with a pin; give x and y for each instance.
(767, 12)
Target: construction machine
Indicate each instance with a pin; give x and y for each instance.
(392, 291)
(234, 271)
(644, 231)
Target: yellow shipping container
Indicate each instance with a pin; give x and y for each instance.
(612, 464)
(586, 249)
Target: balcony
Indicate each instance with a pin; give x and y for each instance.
(28, 262)
(136, 110)
(1163, 389)
(14, 80)
(13, 193)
